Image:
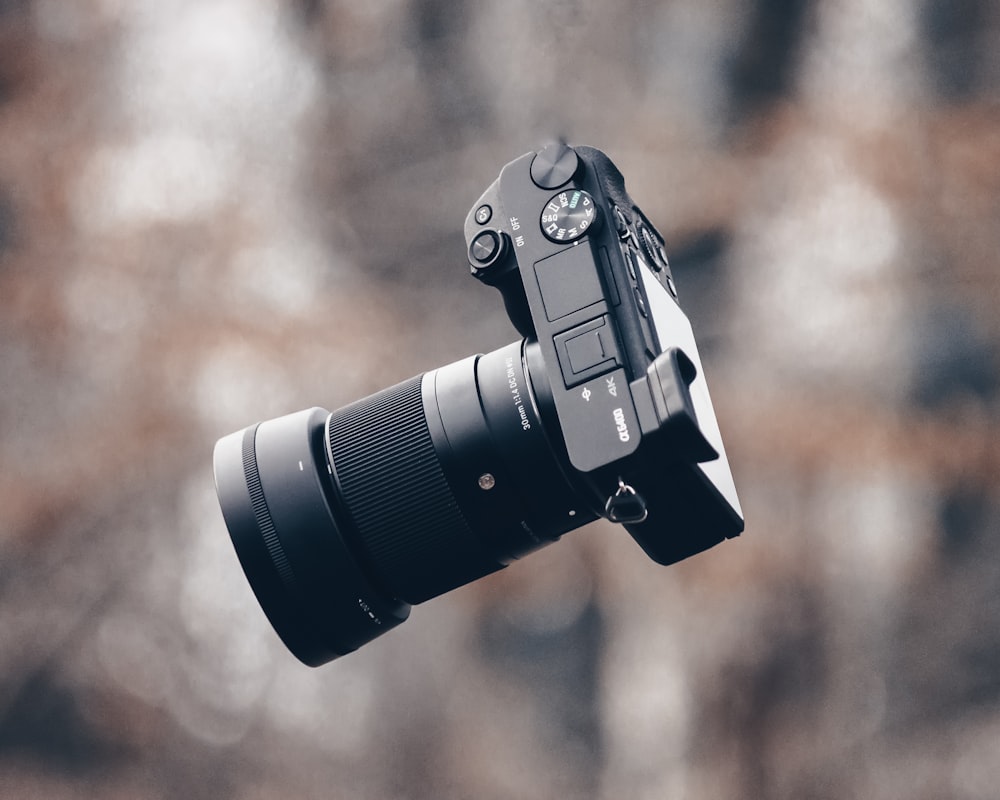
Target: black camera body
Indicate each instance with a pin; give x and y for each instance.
(342, 521)
(584, 273)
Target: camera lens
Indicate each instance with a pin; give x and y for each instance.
(343, 521)
(273, 484)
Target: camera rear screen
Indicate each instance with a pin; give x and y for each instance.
(674, 330)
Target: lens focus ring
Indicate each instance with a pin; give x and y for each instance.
(409, 526)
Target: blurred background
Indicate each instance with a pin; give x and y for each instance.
(217, 211)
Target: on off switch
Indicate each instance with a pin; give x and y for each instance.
(486, 248)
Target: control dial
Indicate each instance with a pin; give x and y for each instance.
(568, 215)
(554, 165)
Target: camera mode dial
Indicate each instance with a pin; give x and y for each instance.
(568, 216)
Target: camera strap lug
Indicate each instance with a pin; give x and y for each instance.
(626, 505)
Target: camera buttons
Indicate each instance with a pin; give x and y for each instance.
(485, 248)
(554, 165)
(621, 224)
(639, 301)
(483, 214)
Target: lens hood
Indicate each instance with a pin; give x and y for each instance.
(273, 485)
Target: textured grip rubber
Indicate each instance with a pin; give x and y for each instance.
(410, 528)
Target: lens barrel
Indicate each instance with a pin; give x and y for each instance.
(342, 521)
(411, 532)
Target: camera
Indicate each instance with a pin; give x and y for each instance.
(342, 521)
